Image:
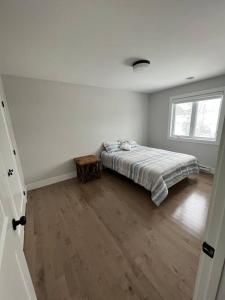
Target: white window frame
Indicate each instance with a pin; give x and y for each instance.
(195, 97)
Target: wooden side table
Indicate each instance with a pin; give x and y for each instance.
(88, 167)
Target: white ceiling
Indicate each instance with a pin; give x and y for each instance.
(93, 42)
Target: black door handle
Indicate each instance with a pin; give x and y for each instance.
(10, 172)
(22, 221)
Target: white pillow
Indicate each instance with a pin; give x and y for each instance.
(131, 142)
(125, 146)
(112, 146)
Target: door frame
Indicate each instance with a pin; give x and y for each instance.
(8, 121)
(210, 269)
(15, 157)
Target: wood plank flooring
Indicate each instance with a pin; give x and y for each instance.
(106, 240)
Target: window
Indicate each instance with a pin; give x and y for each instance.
(196, 117)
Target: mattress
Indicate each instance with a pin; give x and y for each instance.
(154, 169)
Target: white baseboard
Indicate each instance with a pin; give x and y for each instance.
(51, 180)
(207, 169)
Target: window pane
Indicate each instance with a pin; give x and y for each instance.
(207, 118)
(182, 121)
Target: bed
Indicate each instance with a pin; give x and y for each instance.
(155, 169)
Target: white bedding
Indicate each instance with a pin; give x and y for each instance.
(152, 168)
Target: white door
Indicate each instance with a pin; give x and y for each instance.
(211, 266)
(15, 280)
(18, 198)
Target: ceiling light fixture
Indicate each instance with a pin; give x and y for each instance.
(140, 65)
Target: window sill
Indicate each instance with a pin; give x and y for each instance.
(193, 140)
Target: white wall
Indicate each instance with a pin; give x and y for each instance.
(158, 122)
(55, 122)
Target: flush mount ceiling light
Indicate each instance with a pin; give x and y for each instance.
(140, 65)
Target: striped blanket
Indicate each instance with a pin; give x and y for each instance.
(154, 169)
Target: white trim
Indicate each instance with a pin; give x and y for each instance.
(197, 96)
(193, 140)
(51, 180)
(220, 89)
(23, 210)
(209, 270)
(206, 169)
(3, 237)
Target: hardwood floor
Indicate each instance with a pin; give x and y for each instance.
(106, 240)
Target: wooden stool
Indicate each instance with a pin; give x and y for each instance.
(88, 167)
